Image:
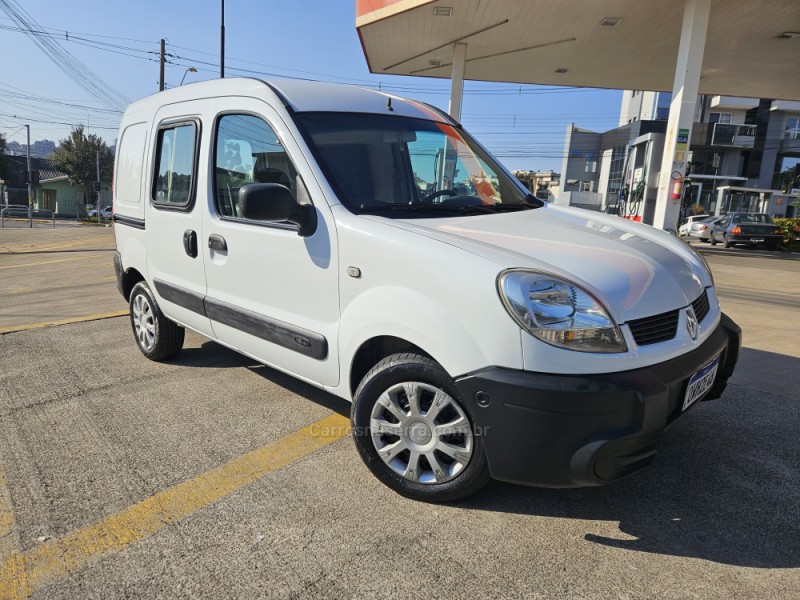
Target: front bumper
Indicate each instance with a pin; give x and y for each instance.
(583, 430)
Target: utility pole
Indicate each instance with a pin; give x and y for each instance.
(163, 61)
(30, 180)
(98, 187)
(222, 43)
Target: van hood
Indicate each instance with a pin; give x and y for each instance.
(635, 270)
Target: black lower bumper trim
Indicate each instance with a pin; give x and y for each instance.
(568, 431)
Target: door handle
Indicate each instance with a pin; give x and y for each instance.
(217, 242)
(190, 242)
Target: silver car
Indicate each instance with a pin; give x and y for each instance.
(702, 229)
(685, 228)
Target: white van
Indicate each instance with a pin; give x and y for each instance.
(366, 244)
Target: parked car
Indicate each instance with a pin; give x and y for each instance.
(746, 228)
(702, 229)
(367, 245)
(687, 224)
(105, 213)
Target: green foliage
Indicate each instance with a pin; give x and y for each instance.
(790, 228)
(3, 164)
(697, 209)
(76, 156)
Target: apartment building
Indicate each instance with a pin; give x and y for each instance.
(744, 156)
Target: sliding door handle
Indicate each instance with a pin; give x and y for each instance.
(190, 242)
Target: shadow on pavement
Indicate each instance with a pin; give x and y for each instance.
(211, 354)
(725, 486)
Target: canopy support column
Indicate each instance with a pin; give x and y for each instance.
(681, 112)
(457, 80)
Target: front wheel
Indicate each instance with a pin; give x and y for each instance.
(415, 432)
(727, 243)
(157, 337)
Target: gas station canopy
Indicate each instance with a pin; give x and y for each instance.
(752, 48)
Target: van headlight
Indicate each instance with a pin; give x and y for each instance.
(558, 312)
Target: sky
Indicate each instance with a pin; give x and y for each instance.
(118, 42)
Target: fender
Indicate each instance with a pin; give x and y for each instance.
(428, 324)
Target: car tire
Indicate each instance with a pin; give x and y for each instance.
(157, 337)
(727, 244)
(772, 247)
(713, 241)
(416, 433)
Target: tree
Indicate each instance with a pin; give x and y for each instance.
(76, 157)
(3, 164)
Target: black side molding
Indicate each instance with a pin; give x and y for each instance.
(181, 296)
(280, 333)
(129, 221)
(283, 334)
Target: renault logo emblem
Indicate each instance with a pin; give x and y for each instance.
(691, 322)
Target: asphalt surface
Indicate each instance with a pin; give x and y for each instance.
(213, 476)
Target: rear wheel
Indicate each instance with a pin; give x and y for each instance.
(157, 337)
(772, 247)
(415, 432)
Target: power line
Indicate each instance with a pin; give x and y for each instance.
(73, 124)
(68, 64)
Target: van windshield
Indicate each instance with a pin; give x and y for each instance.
(409, 168)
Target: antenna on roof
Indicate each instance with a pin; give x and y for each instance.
(389, 104)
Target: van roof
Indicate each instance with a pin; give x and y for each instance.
(299, 96)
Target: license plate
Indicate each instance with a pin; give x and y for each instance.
(700, 383)
(756, 240)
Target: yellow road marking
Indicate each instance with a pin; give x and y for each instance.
(94, 317)
(24, 572)
(58, 287)
(34, 249)
(49, 262)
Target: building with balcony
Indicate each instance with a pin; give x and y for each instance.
(542, 184)
(744, 156)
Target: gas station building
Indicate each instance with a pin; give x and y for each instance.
(700, 53)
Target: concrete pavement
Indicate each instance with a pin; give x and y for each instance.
(214, 476)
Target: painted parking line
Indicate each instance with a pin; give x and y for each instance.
(24, 572)
(50, 262)
(34, 249)
(94, 317)
(57, 287)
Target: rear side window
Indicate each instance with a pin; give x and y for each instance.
(248, 151)
(130, 158)
(175, 162)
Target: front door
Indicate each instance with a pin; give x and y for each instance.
(271, 293)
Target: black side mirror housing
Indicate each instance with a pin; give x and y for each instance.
(274, 203)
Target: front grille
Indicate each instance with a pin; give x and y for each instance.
(701, 306)
(663, 327)
(658, 328)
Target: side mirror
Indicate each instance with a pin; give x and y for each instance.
(274, 203)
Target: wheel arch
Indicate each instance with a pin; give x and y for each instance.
(374, 350)
(130, 278)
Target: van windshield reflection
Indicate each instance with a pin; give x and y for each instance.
(409, 168)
